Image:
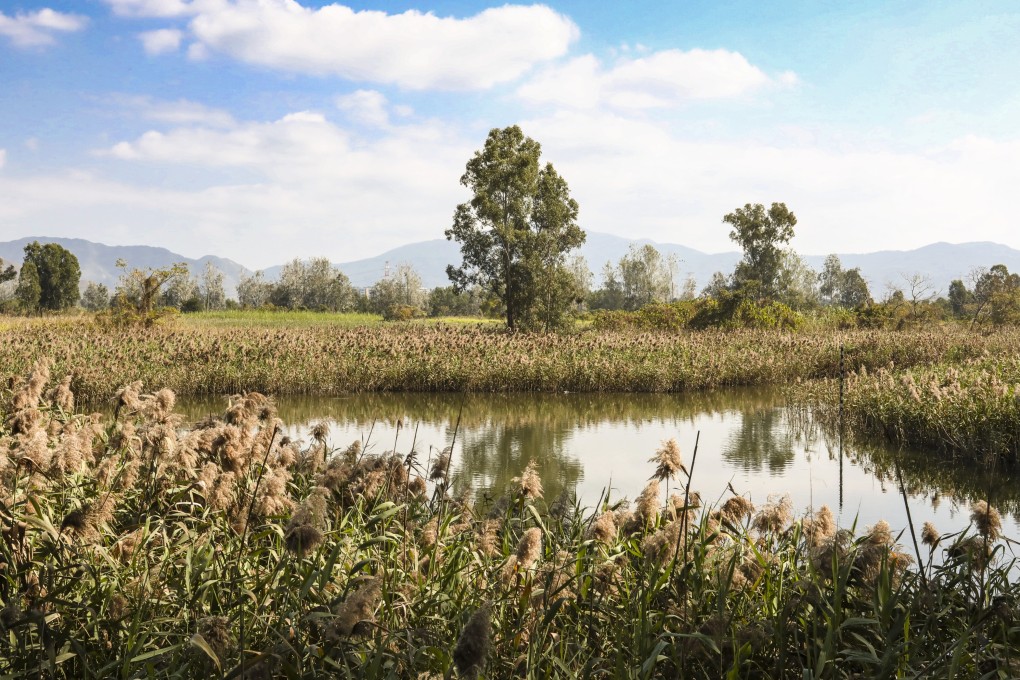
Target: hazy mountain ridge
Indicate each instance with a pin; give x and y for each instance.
(940, 262)
(98, 261)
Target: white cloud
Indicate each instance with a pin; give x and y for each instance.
(639, 177)
(3, 158)
(161, 41)
(36, 29)
(179, 112)
(367, 107)
(152, 8)
(32, 144)
(659, 79)
(413, 50)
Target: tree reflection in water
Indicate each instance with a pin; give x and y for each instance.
(761, 442)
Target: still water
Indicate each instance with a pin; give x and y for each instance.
(593, 444)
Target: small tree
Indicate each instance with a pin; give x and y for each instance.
(761, 234)
(253, 291)
(211, 290)
(8, 273)
(137, 296)
(403, 287)
(96, 297)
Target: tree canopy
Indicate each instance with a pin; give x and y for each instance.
(516, 230)
(761, 233)
(58, 273)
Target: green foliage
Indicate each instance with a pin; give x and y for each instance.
(399, 312)
(515, 232)
(446, 301)
(760, 234)
(58, 273)
(29, 290)
(403, 288)
(8, 273)
(313, 284)
(138, 293)
(641, 277)
(96, 297)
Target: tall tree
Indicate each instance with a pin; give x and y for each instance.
(761, 233)
(516, 230)
(29, 290)
(58, 273)
(646, 276)
(211, 290)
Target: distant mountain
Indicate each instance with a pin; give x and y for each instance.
(940, 262)
(98, 261)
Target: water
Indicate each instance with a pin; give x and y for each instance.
(594, 444)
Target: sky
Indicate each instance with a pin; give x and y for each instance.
(264, 130)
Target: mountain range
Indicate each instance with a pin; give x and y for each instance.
(939, 262)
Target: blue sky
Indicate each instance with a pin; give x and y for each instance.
(264, 130)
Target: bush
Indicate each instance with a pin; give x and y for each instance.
(402, 313)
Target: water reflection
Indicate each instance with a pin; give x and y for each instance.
(588, 443)
(761, 442)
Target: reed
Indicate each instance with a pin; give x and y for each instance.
(335, 359)
(349, 567)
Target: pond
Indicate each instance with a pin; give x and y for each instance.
(749, 441)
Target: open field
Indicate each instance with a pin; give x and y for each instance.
(133, 548)
(191, 358)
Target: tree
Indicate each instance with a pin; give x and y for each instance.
(959, 297)
(516, 230)
(136, 298)
(797, 283)
(854, 291)
(181, 291)
(315, 284)
(761, 233)
(29, 291)
(403, 287)
(210, 287)
(253, 291)
(96, 297)
(645, 276)
(58, 273)
(8, 273)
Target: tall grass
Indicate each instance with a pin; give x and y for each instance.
(336, 359)
(134, 547)
(970, 409)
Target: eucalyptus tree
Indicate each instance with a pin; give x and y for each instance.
(516, 231)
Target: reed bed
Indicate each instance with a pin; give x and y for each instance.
(970, 409)
(339, 360)
(133, 546)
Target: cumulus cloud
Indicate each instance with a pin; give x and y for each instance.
(36, 29)
(641, 177)
(161, 41)
(413, 50)
(367, 107)
(658, 79)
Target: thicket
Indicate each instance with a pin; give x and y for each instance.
(135, 547)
